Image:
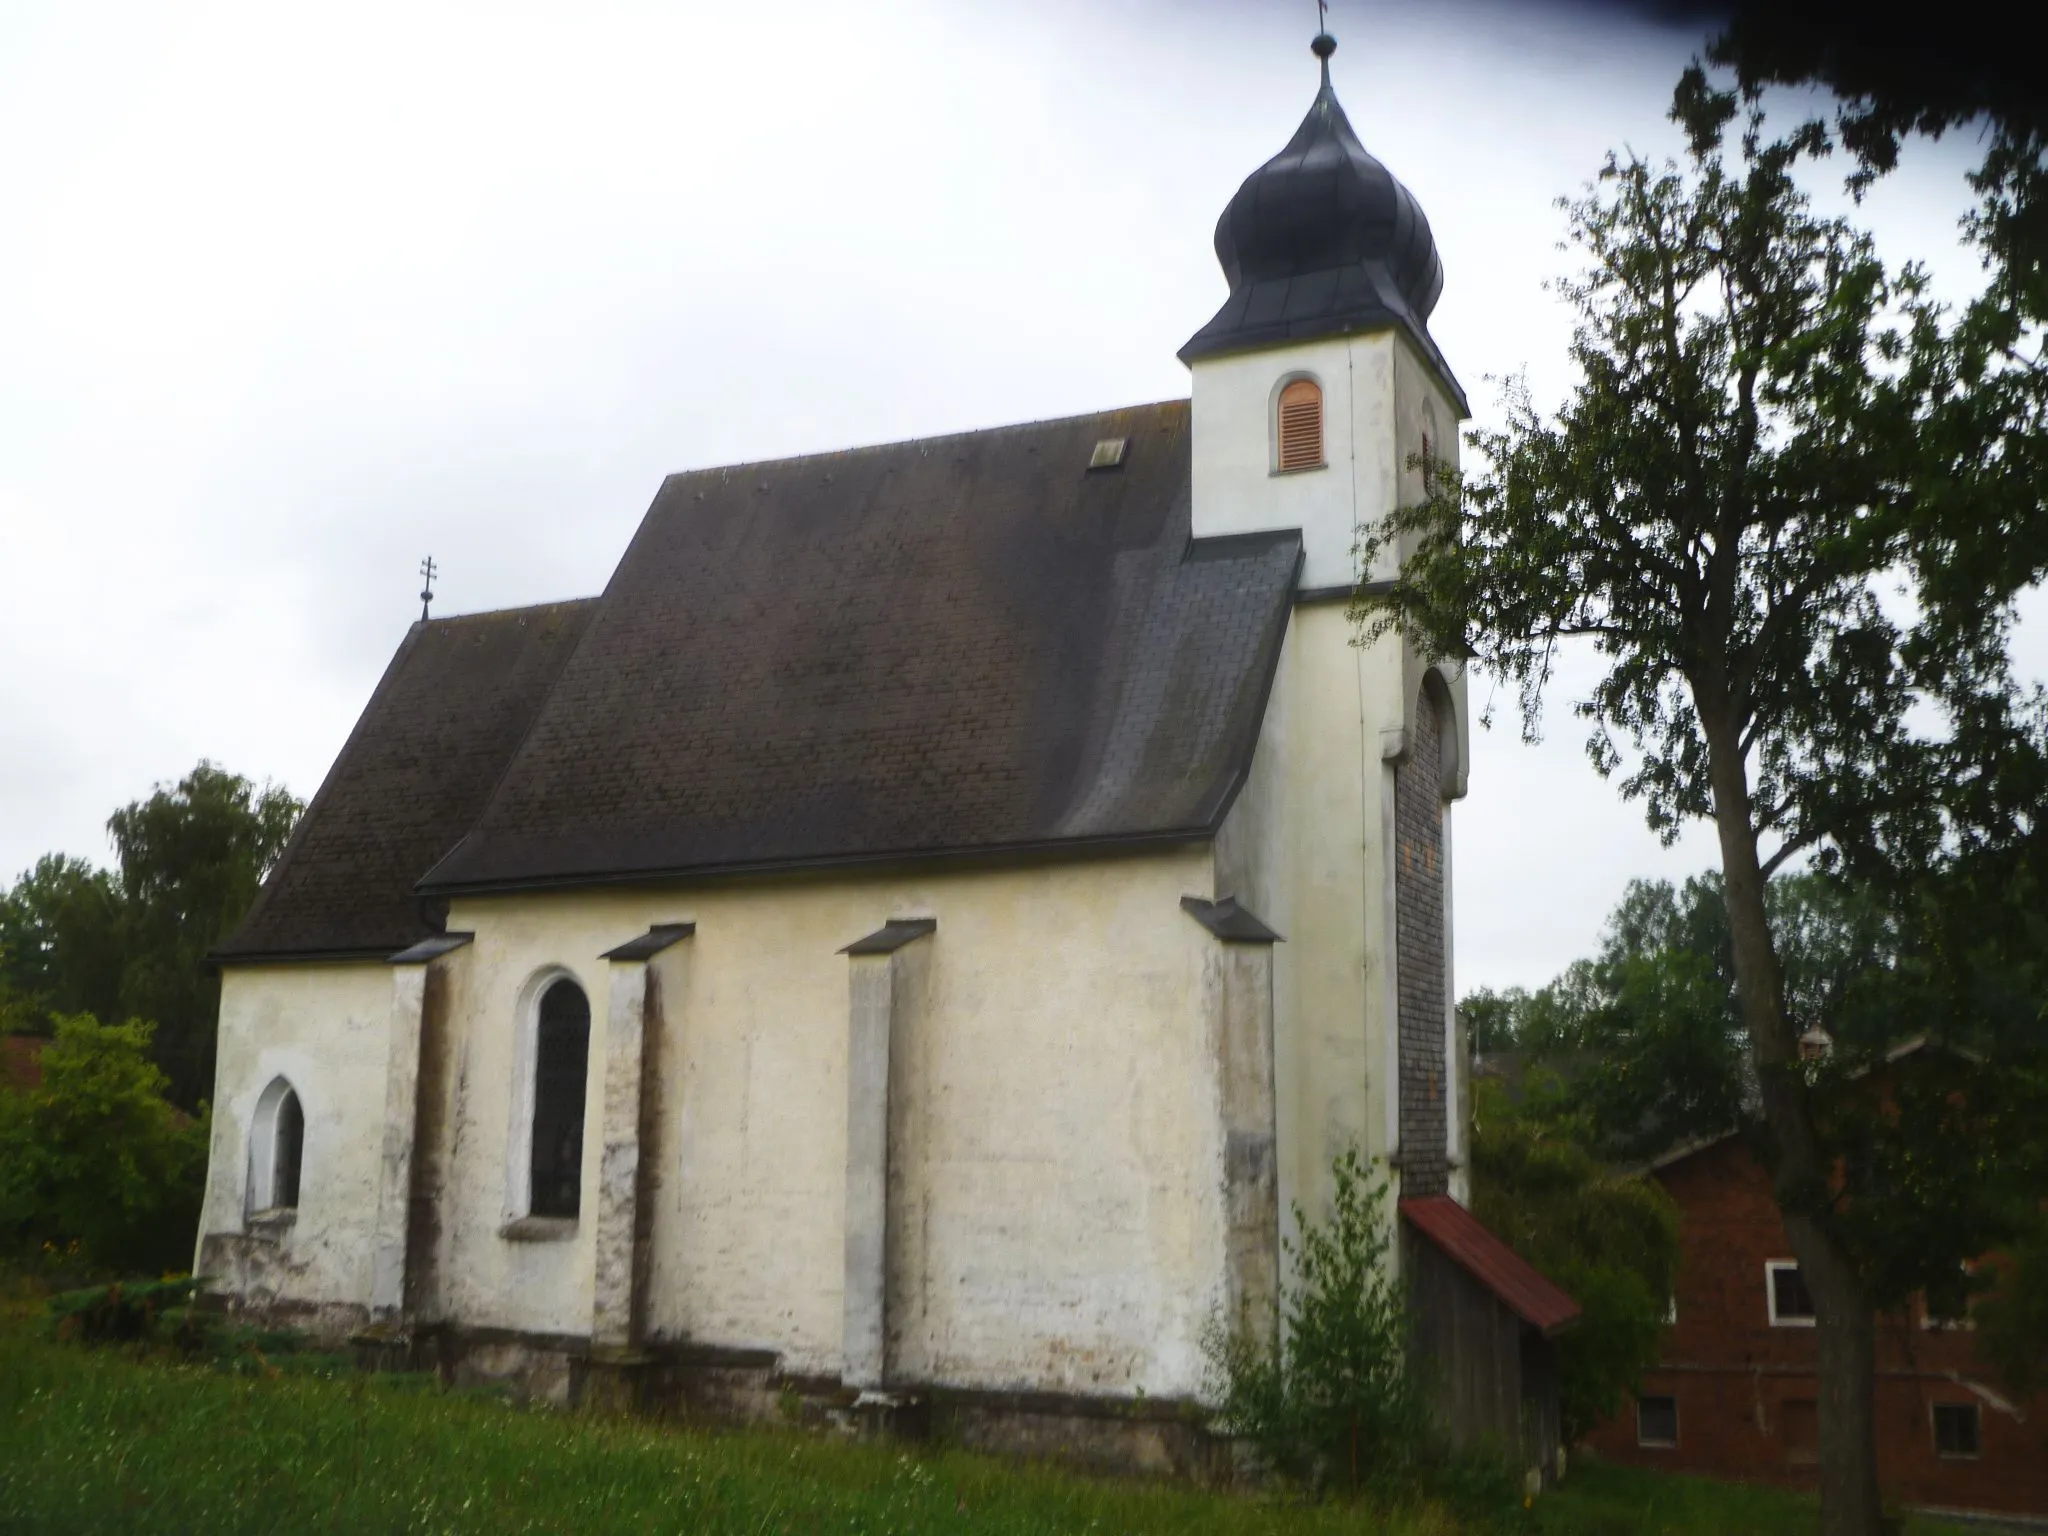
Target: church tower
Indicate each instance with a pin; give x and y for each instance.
(1316, 387)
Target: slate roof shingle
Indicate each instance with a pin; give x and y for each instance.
(954, 646)
(959, 644)
(411, 779)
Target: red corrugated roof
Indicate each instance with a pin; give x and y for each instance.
(1461, 1235)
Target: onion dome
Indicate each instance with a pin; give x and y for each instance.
(1321, 240)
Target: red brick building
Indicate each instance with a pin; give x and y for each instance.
(1735, 1391)
(21, 1062)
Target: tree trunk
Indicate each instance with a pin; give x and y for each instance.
(1850, 1504)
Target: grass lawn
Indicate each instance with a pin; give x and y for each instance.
(104, 1440)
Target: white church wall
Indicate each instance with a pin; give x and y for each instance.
(1303, 847)
(485, 1278)
(1061, 1200)
(324, 1029)
(1236, 485)
(1058, 1161)
(1312, 834)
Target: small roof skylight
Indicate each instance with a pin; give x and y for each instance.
(1109, 453)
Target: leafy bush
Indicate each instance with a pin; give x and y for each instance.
(1328, 1394)
(130, 1311)
(1609, 1239)
(97, 1156)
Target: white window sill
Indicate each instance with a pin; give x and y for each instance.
(271, 1223)
(539, 1229)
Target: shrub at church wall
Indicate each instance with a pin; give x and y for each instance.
(1326, 1396)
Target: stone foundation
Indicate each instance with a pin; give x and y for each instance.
(1116, 1436)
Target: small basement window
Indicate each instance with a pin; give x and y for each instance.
(1785, 1290)
(1958, 1430)
(1799, 1430)
(1301, 426)
(1657, 1422)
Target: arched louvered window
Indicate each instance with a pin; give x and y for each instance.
(277, 1147)
(561, 1070)
(1301, 425)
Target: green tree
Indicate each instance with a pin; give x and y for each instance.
(98, 1155)
(1491, 1018)
(1771, 435)
(191, 859)
(1953, 77)
(1942, 1160)
(1609, 1239)
(1650, 1030)
(60, 944)
(1328, 1395)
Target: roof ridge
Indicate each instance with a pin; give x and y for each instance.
(499, 613)
(914, 442)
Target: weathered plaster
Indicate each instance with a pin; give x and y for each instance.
(1056, 1160)
(394, 1170)
(1308, 842)
(323, 1028)
(626, 1039)
(864, 1303)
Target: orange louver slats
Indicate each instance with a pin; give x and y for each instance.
(1301, 426)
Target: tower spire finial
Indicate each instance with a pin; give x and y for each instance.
(429, 570)
(1324, 44)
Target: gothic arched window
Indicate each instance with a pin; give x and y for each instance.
(561, 1070)
(1301, 425)
(277, 1147)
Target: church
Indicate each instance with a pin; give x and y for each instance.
(909, 943)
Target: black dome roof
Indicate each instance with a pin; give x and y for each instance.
(1321, 240)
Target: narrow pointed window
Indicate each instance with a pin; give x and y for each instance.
(561, 1069)
(1301, 426)
(291, 1147)
(277, 1147)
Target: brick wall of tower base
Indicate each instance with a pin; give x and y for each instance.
(1419, 957)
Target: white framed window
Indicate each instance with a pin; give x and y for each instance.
(1958, 1431)
(1657, 1422)
(277, 1150)
(551, 1077)
(1949, 1309)
(1785, 1293)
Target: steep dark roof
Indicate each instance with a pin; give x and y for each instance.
(419, 766)
(1322, 240)
(965, 644)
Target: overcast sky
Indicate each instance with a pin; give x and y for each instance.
(291, 296)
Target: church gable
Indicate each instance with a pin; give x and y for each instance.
(961, 644)
(436, 735)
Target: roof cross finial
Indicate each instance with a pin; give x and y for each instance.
(427, 569)
(1324, 44)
